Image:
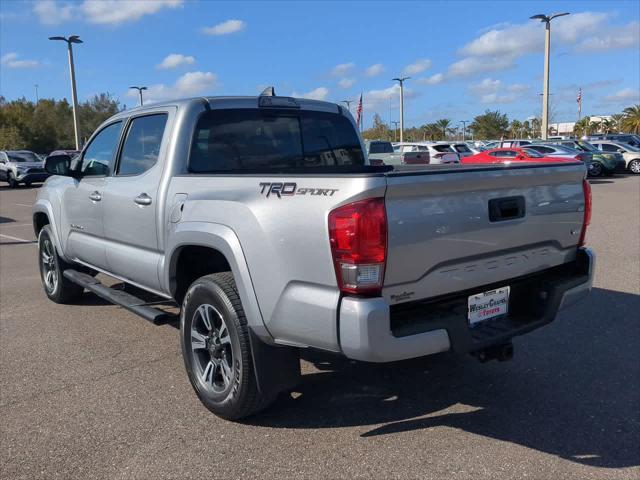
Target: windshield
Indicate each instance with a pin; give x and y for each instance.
(380, 147)
(241, 140)
(629, 147)
(532, 153)
(23, 157)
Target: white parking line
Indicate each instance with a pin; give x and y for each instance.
(2, 225)
(17, 239)
(24, 205)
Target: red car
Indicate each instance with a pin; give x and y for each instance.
(512, 155)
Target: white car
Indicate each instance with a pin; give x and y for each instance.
(630, 153)
(439, 154)
(461, 148)
(21, 166)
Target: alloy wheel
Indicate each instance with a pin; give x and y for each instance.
(211, 349)
(49, 266)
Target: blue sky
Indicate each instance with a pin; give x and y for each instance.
(463, 57)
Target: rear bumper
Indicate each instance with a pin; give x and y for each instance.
(372, 331)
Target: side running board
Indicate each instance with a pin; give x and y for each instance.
(126, 300)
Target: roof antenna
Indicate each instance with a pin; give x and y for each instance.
(268, 92)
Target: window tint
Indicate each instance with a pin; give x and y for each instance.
(508, 153)
(142, 145)
(384, 147)
(98, 156)
(443, 148)
(607, 147)
(462, 148)
(271, 140)
(494, 154)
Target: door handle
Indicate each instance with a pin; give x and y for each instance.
(95, 196)
(143, 199)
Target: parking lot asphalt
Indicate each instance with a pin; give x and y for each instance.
(91, 391)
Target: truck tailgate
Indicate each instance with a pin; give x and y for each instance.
(461, 228)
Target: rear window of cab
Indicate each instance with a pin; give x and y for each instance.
(259, 140)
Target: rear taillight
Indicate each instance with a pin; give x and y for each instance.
(358, 236)
(581, 157)
(586, 188)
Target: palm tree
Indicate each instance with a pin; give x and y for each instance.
(581, 127)
(444, 124)
(607, 125)
(631, 120)
(516, 128)
(617, 119)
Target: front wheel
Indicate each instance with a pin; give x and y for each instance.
(215, 345)
(595, 169)
(56, 286)
(634, 166)
(13, 183)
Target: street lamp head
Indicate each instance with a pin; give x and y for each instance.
(555, 15)
(143, 88)
(75, 39)
(541, 17)
(58, 38)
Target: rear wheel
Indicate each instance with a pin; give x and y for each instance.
(56, 286)
(216, 349)
(634, 166)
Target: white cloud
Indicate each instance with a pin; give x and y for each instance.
(518, 39)
(105, 12)
(225, 28)
(50, 12)
(418, 66)
(374, 70)
(432, 80)
(188, 85)
(175, 60)
(319, 93)
(12, 60)
(374, 98)
(342, 69)
(624, 96)
(116, 12)
(627, 36)
(346, 82)
(494, 91)
(472, 65)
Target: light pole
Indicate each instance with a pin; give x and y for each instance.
(74, 97)
(37, 98)
(546, 19)
(140, 89)
(395, 130)
(401, 80)
(464, 128)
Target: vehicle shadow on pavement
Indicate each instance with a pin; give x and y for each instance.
(572, 390)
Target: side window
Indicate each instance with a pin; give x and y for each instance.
(98, 157)
(3, 157)
(509, 153)
(142, 144)
(607, 147)
(495, 154)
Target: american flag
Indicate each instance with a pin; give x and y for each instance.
(359, 112)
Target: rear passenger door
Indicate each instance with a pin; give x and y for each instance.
(131, 203)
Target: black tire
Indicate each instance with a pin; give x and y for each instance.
(62, 290)
(634, 166)
(596, 170)
(240, 397)
(13, 183)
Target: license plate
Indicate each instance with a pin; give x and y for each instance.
(486, 305)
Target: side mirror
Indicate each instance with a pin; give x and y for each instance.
(520, 157)
(58, 165)
(621, 150)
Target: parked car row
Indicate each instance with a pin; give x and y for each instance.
(26, 167)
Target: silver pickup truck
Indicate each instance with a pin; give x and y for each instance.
(263, 220)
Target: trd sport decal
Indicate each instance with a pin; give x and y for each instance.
(291, 188)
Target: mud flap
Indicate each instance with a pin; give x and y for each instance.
(277, 368)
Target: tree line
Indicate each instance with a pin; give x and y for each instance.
(47, 125)
(493, 124)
